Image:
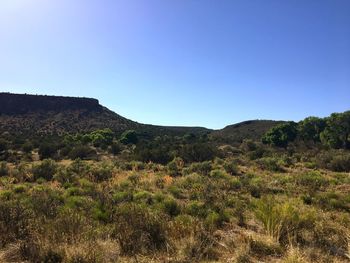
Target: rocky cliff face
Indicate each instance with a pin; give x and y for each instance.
(14, 104)
(38, 114)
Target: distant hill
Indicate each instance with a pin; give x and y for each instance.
(38, 114)
(253, 129)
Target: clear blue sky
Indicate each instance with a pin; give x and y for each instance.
(182, 62)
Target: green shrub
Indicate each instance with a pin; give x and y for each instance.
(79, 167)
(45, 170)
(129, 137)
(120, 197)
(270, 164)
(70, 226)
(171, 207)
(64, 176)
(137, 166)
(265, 248)
(195, 208)
(312, 180)
(4, 171)
(201, 247)
(216, 219)
(334, 160)
(203, 168)
(235, 184)
(79, 203)
(102, 173)
(231, 167)
(100, 213)
(47, 150)
(333, 201)
(218, 174)
(27, 147)
(340, 163)
(176, 191)
(134, 179)
(74, 191)
(137, 230)
(82, 152)
(197, 152)
(3, 145)
(175, 166)
(19, 188)
(6, 195)
(282, 221)
(182, 226)
(116, 148)
(45, 201)
(143, 196)
(248, 145)
(15, 222)
(89, 188)
(256, 154)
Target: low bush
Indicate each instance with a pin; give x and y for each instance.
(45, 201)
(175, 167)
(197, 209)
(218, 174)
(46, 169)
(82, 152)
(120, 197)
(101, 173)
(265, 247)
(282, 221)
(336, 160)
(231, 167)
(216, 219)
(203, 168)
(333, 201)
(340, 163)
(312, 180)
(15, 222)
(139, 230)
(171, 207)
(143, 197)
(3, 169)
(270, 164)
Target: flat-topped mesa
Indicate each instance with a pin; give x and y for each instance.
(13, 104)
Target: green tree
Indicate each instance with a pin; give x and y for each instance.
(129, 137)
(101, 137)
(27, 147)
(47, 150)
(337, 132)
(281, 134)
(310, 128)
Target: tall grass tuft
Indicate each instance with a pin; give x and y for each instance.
(270, 216)
(281, 221)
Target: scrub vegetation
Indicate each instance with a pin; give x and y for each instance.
(102, 196)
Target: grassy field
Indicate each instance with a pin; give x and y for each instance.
(234, 209)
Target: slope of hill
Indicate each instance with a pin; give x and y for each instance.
(33, 114)
(37, 114)
(253, 129)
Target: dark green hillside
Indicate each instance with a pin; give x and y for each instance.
(38, 115)
(252, 129)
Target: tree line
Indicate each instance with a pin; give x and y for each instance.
(332, 131)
